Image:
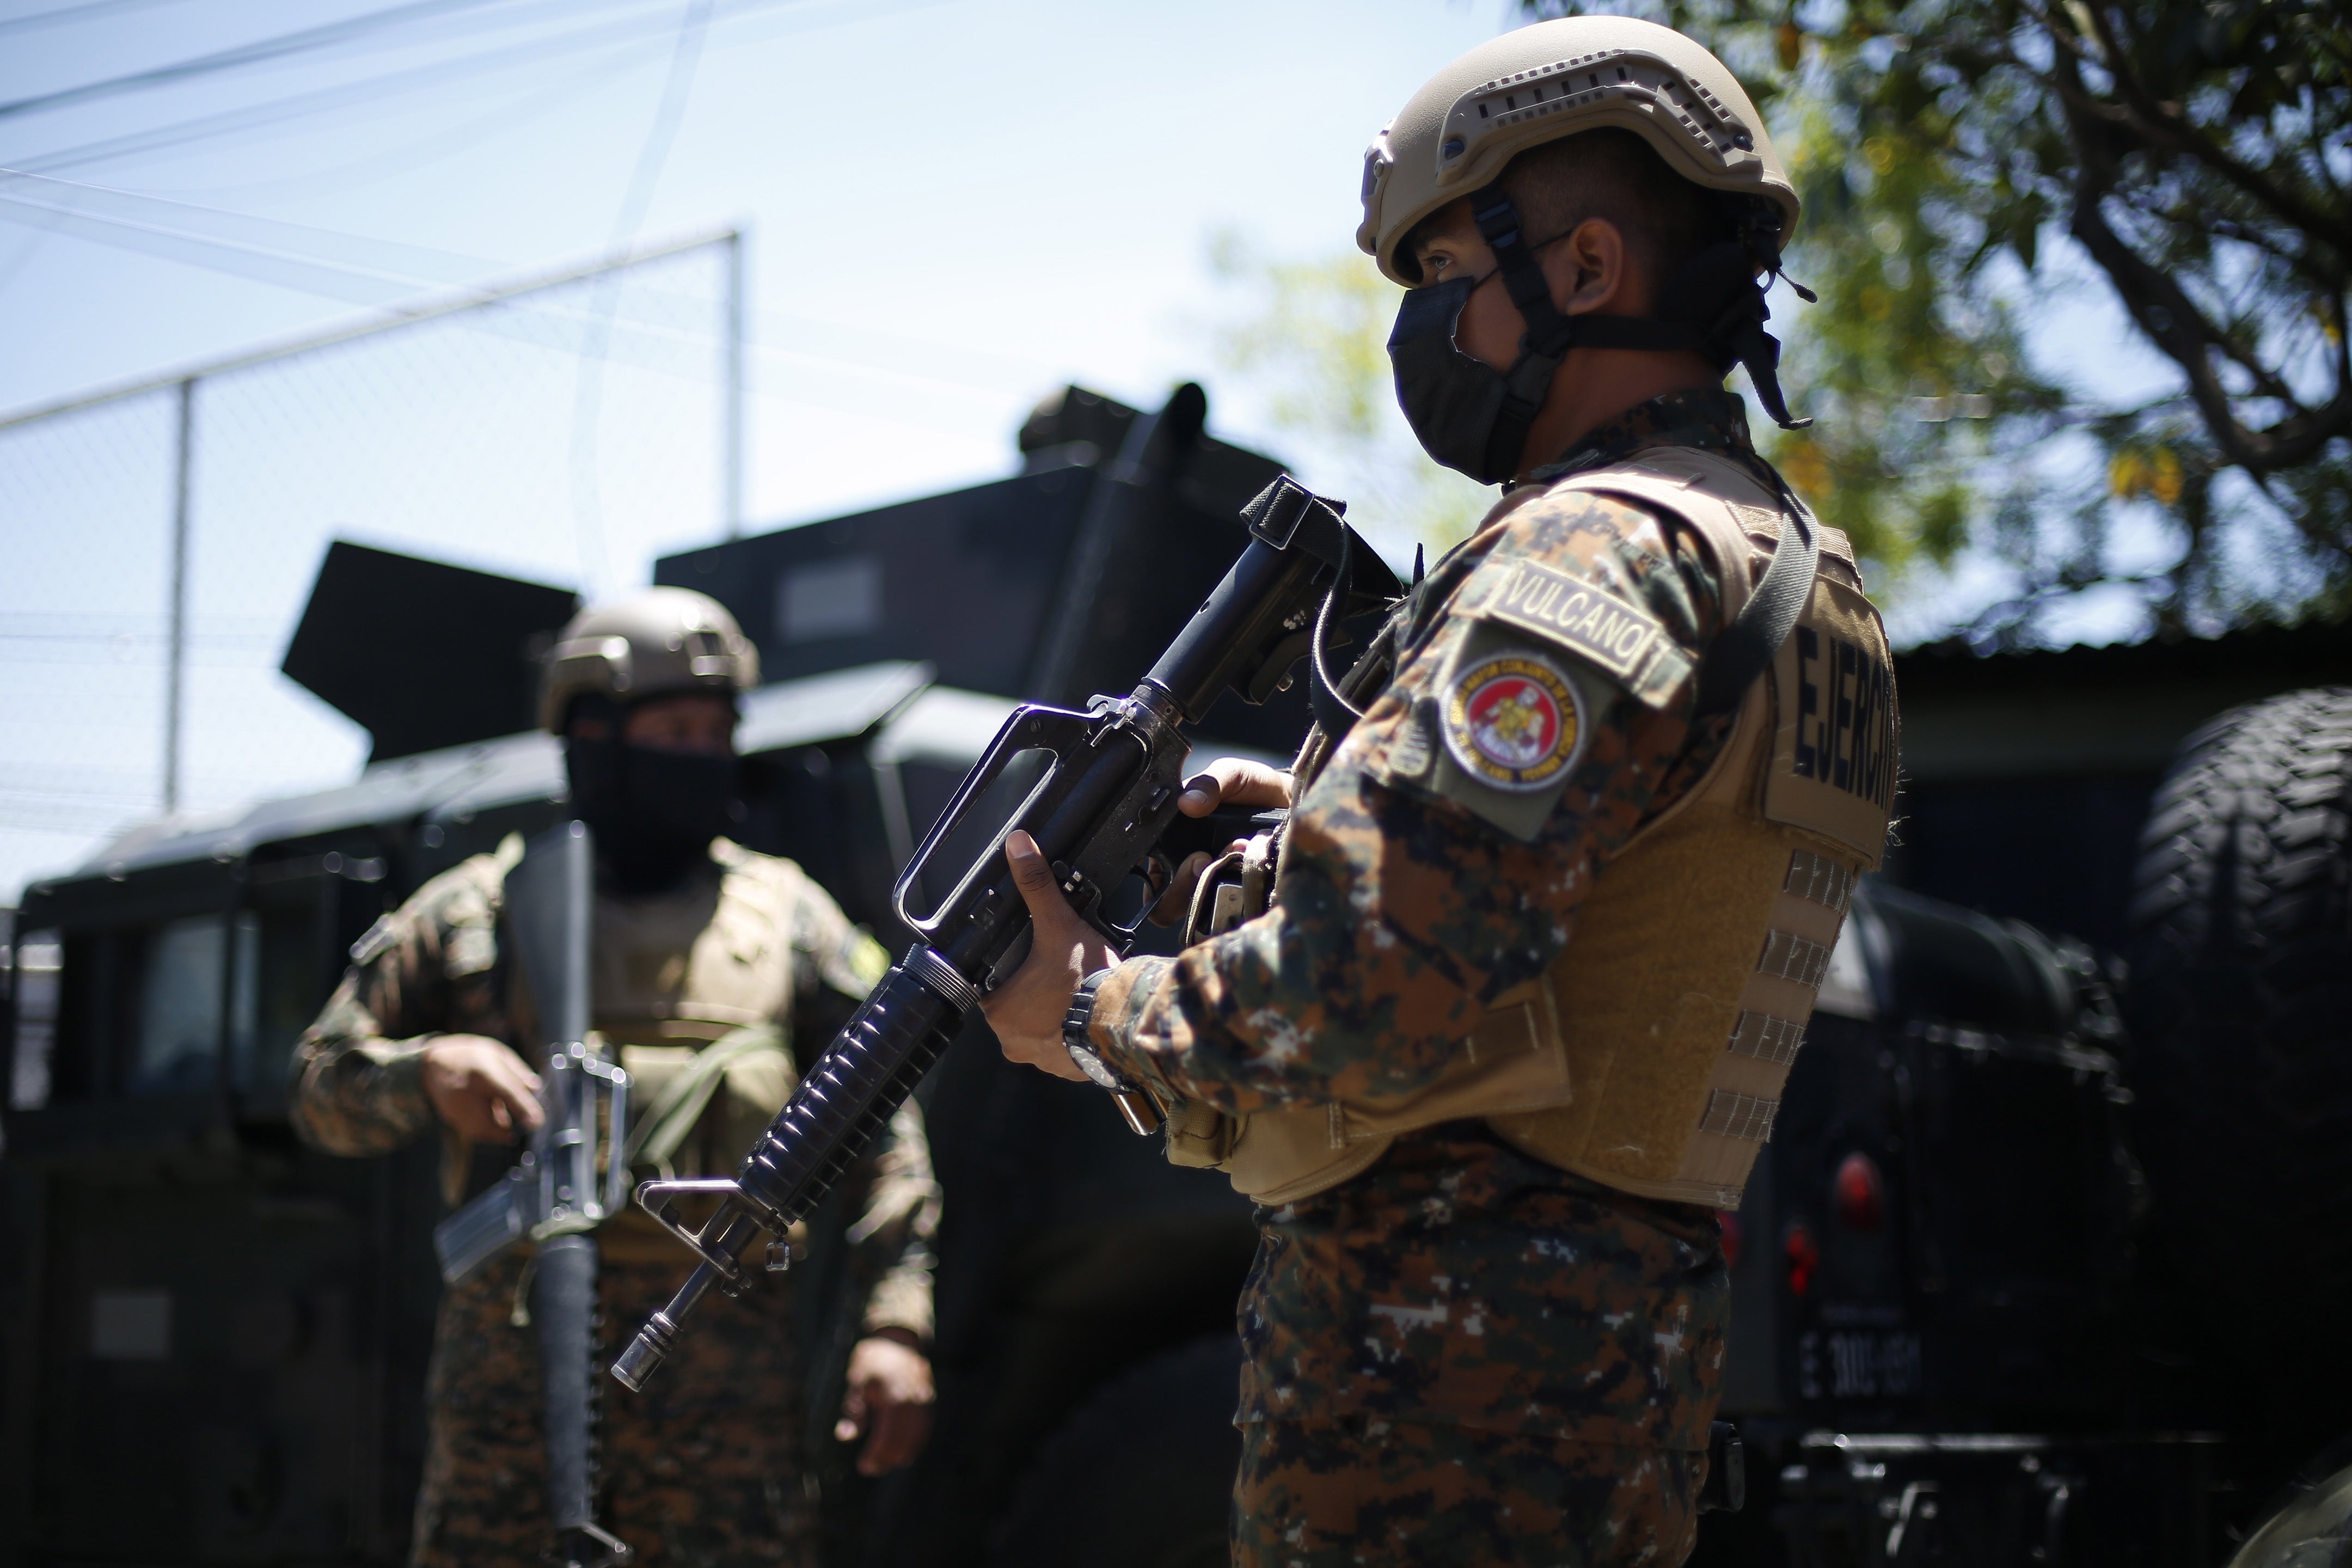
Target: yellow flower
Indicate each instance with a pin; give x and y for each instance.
(1806, 467)
(2146, 472)
(1789, 42)
(2128, 474)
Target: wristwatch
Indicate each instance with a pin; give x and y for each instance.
(1142, 1113)
(1075, 1040)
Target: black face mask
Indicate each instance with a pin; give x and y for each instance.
(654, 812)
(1454, 404)
(1473, 418)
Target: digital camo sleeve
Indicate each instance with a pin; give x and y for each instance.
(424, 971)
(1440, 857)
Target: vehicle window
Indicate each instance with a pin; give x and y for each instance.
(179, 1040)
(39, 958)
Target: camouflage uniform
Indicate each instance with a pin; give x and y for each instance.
(1460, 1303)
(704, 1468)
(1336, 1494)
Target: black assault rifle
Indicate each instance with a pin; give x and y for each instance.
(556, 1195)
(1102, 813)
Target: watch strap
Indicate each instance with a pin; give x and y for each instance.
(1076, 1040)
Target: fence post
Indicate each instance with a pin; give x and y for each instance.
(177, 679)
(732, 480)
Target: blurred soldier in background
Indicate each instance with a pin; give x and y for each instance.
(709, 961)
(1551, 909)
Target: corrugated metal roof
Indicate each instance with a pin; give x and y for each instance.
(2311, 654)
(2121, 709)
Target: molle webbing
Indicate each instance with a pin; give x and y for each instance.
(1509, 1058)
(690, 989)
(1652, 1057)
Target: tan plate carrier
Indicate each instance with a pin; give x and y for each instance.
(1651, 1057)
(688, 991)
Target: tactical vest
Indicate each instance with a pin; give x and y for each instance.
(1651, 1057)
(674, 973)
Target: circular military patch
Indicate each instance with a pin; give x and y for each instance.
(1513, 721)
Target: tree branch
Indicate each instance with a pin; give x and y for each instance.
(2173, 322)
(2160, 124)
(2163, 309)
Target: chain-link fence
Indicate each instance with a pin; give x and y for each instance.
(161, 539)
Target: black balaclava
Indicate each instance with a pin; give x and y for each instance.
(654, 812)
(1473, 418)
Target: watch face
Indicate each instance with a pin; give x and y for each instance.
(1092, 1066)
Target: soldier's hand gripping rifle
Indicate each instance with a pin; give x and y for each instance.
(556, 1195)
(1100, 813)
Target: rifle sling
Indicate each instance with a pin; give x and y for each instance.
(1746, 648)
(656, 1137)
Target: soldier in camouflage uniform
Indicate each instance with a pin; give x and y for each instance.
(1502, 1046)
(702, 952)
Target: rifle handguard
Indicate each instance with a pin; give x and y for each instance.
(1098, 814)
(873, 1064)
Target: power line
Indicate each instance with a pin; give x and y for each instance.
(587, 510)
(410, 264)
(367, 270)
(686, 54)
(353, 283)
(632, 339)
(157, 639)
(666, 349)
(403, 313)
(575, 327)
(68, 15)
(260, 52)
(447, 141)
(177, 135)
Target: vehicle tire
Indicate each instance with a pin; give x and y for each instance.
(2239, 1006)
(1142, 1476)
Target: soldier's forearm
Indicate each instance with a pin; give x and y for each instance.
(900, 1303)
(361, 1096)
(1129, 1031)
(1181, 1025)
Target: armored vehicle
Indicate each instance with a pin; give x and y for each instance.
(1994, 1303)
(220, 1335)
(2035, 1267)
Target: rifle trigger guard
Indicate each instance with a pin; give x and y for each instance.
(654, 1196)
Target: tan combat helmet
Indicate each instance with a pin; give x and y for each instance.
(1552, 80)
(659, 641)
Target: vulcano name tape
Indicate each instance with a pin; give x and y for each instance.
(1588, 621)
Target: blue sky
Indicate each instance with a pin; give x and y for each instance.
(999, 193)
(953, 206)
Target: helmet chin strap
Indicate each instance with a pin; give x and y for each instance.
(1719, 312)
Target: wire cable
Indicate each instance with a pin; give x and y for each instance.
(414, 264)
(179, 136)
(643, 342)
(587, 505)
(464, 135)
(256, 53)
(66, 15)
